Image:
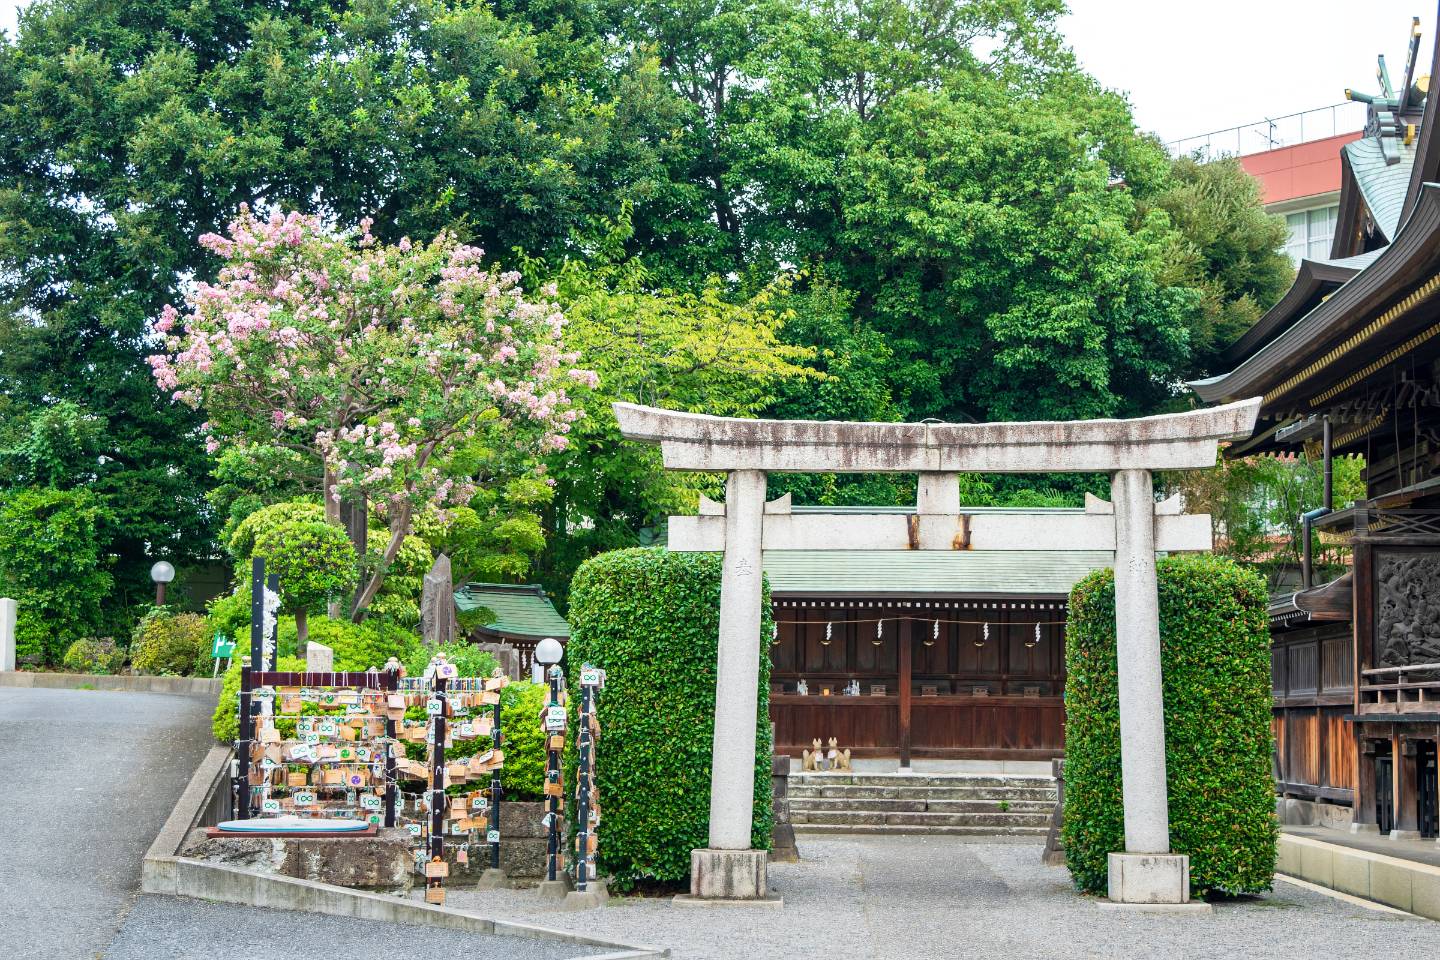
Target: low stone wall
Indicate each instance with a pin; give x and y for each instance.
(382, 862)
(184, 686)
(1307, 813)
(1403, 884)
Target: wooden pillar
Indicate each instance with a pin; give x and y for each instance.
(1407, 782)
(905, 637)
(1363, 812)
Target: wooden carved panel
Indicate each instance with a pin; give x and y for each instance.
(1407, 607)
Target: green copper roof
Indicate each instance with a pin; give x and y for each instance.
(1382, 185)
(521, 610)
(936, 572)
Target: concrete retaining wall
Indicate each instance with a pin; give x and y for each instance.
(185, 686)
(1403, 884)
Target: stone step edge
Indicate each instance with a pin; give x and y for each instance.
(843, 828)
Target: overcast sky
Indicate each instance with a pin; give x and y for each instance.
(1190, 68)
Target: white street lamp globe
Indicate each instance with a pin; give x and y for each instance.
(549, 651)
(162, 572)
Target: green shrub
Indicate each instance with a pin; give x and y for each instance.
(651, 619)
(94, 656)
(357, 646)
(168, 643)
(468, 659)
(225, 723)
(52, 564)
(522, 740)
(314, 562)
(1215, 654)
(242, 539)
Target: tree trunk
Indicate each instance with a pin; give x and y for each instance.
(399, 525)
(302, 629)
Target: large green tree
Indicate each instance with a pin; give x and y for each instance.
(129, 128)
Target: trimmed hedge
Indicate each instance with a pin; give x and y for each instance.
(651, 619)
(1215, 654)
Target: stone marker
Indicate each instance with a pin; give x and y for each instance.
(318, 658)
(437, 604)
(7, 634)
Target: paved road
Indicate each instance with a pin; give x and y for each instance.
(177, 928)
(86, 780)
(924, 898)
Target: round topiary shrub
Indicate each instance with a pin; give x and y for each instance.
(651, 620)
(94, 656)
(168, 643)
(522, 740)
(1215, 656)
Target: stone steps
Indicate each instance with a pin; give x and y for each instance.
(922, 819)
(849, 829)
(955, 804)
(871, 794)
(923, 805)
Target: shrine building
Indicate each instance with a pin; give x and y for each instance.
(1348, 363)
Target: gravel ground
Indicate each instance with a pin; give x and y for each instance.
(178, 928)
(919, 898)
(87, 777)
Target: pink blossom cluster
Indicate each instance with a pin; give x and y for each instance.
(382, 361)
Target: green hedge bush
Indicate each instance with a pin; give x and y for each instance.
(94, 656)
(168, 643)
(651, 619)
(1215, 654)
(522, 740)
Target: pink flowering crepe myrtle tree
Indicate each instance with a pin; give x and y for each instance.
(387, 366)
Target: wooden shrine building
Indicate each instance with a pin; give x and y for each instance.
(1348, 363)
(928, 654)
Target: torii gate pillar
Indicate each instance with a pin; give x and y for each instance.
(1146, 872)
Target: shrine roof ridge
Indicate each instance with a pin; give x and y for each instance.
(694, 441)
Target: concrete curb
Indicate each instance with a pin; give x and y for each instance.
(1402, 884)
(163, 872)
(184, 686)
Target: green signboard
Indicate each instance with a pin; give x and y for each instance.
(223, 648)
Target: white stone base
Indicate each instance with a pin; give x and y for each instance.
(1149, 878)
(554, 889)
(1404, 834)
(494, 878)
(772, 902)
(1364, 828)
(1194, 906)
(728, 874)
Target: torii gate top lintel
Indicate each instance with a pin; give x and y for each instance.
(1173, 441)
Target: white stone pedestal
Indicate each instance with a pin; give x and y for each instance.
(494, 878)
(318, 657)
(554, 889)
(729, 876)
(1150, 879)
(7, 633)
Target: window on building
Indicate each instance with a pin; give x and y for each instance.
(1311, 232)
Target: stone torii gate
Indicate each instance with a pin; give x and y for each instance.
(1132, 525)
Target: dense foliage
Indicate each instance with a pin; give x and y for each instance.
(1215, 654)
(805, 208)
(52, 565)
(169, 643)
(315, 563)
(650, 619)
(399, 374)
(1255, 505)
(94, 656)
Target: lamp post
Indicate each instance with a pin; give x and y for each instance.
(162, 573)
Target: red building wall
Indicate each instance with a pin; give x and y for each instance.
(1304, 170)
